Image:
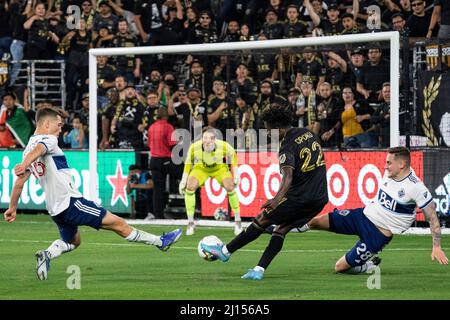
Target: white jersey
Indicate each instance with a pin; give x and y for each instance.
(395, 206)
(53, 173)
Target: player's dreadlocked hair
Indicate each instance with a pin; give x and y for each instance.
(277, 117)
(52, 111)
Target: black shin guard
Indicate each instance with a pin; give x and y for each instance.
(252, 232)
(275, 245)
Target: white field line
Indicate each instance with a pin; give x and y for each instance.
(177, 247)
(224, 224)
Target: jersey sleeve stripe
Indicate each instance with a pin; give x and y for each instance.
(426, 204)
(44, 145)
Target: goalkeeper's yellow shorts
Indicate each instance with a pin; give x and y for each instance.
(202, 175)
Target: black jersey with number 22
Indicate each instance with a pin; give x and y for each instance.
(301, 150)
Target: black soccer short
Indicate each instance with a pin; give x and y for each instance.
(291, 212)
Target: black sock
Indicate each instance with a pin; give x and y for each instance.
(252, 232)
(275, 245)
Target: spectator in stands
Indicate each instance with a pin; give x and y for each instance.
(190, 23)
(204, 32)
(306, 107)
(441, 14)
(77, 70)
(76, 138)
(5, 28)
(38, 33)
(106, 74)
(128, 120)
(243, 85)
(279, 8)
(419, 22)
(153, 81)
(354, 68)
(174, 23)
(83, 112)
(355, 119)
(18, 18)
(246, 35)
(310, 66)
(392, 7)
(336, 69)
(105, 18)
(221, 109)
(192, 112)
(140, 183)
(328, 111)
(272, 28)
(327, 27)
(88, 13)
(160, 142)
(127, 65)
(292, 97)
(15, 126)
(107, 115)
(350, 25)
(398, 22)
(152, 106)
(121, 11)
(167, 87)
(232, 34)
(199, 79)
(264, 63)
(245, 119)
(293, 27)
(373, 74)
(120, 83)
(264, 99)
(381, 117)
(104, 37)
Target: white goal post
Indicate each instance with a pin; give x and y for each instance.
(392, 36)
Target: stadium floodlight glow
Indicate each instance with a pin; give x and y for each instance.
(391, 36)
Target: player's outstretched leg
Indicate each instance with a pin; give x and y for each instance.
(321, 222)
(119, 226)
(57, 248)
(254, 230)
(342, 266)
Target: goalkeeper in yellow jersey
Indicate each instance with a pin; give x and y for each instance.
(208, 158)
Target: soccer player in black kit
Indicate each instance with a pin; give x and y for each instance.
(302, 194)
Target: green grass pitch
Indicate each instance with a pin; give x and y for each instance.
(112, 268)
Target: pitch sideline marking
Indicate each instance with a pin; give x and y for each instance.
(243, 250)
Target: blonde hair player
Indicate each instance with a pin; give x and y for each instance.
(46, 161)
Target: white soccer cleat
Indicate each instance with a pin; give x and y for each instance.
(42, 264)
(190, 230)
(237, 228)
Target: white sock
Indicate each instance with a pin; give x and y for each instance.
(191, 220)
(237, 217)
(144, 237)
(359, 269)
(58, 247)
(304, 228)
(225, 251)
(259, 269)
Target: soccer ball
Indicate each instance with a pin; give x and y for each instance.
(221, 214)
(208, 240)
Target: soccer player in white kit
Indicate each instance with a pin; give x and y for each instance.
(46, 161)
(393, 212)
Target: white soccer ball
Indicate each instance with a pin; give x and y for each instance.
(221, 214)
(208, 240)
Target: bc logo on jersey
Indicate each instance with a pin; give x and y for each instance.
(344, 212)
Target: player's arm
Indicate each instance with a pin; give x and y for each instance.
(32, 156)
(287, 173)
(435, 228)
(10, 214)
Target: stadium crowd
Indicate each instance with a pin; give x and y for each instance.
(342, 94)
